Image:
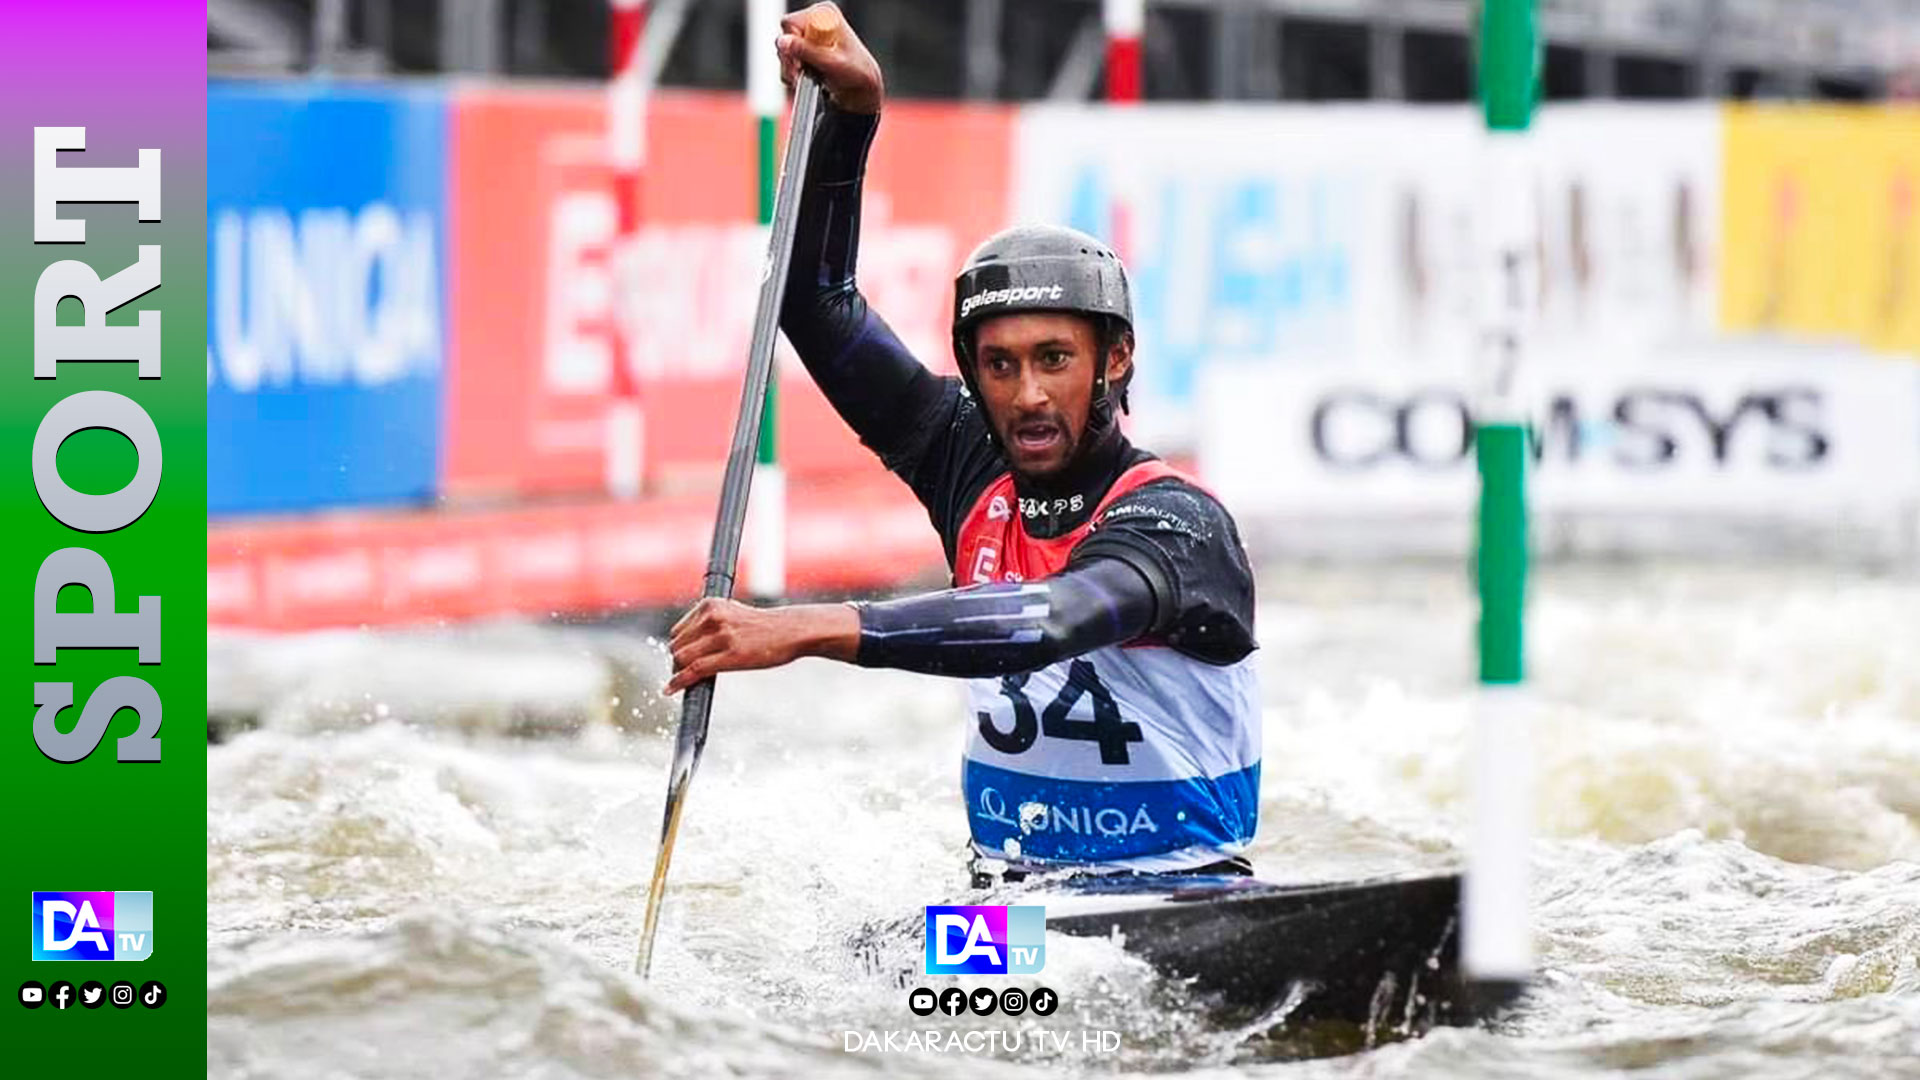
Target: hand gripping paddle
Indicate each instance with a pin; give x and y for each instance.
(725, 553)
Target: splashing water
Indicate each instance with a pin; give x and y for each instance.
(1727, 881)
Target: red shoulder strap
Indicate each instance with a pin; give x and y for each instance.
(991, 530)
(1144, 473)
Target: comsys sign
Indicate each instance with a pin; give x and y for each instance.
(1707, 433)
(1636, 428)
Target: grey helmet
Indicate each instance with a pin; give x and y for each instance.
(1044, 268)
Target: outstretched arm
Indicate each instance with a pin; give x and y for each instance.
(1009, 626)
(977, 631)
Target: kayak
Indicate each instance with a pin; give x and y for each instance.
(1381, 953)
(1315, 969)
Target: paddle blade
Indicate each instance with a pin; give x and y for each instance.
(690, 742)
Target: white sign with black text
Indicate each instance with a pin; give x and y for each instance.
(1803, 434)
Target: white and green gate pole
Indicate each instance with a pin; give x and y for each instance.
(767, 516)
(1497, 940)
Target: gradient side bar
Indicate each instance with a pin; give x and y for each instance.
(133, 74)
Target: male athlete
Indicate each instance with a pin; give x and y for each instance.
(1103, 608)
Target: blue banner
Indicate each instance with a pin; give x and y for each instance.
(1244, 266)
(326, 295)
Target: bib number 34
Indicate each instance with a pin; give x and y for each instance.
(1106, 728)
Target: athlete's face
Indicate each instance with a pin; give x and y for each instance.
(1035, 375)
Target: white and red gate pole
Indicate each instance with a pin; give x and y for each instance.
(767, 511)
(1124, 20)
(627, 155)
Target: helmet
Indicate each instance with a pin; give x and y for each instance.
(1043, 268)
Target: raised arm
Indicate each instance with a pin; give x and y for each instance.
(875, 384)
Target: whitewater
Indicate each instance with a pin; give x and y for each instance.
(428, 850)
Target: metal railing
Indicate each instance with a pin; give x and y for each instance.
(1784, 43)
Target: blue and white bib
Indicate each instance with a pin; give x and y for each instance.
(1130, 757)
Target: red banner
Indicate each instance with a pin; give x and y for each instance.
(384, 569)
(532, 295)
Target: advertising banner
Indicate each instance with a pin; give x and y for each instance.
(384, 569)
(1822, 227)
(1809, 434)
(1629, 241)
(1304, 235)
(326, 283)
(534, 309)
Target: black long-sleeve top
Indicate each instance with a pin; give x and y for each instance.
(1164, 561)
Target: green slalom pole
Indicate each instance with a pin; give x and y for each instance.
(1497, 946)
(767, 538)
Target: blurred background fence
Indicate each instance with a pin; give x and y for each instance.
(987, 50)
(412, 308)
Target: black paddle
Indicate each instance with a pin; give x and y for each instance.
(725, 553)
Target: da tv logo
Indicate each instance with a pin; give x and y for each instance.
(986, 939)
(92, 925)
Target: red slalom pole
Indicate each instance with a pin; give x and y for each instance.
(1124, 19)
(626, 157)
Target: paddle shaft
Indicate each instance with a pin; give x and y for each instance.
(724, 555)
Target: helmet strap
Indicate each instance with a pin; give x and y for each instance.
(1100, 413)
